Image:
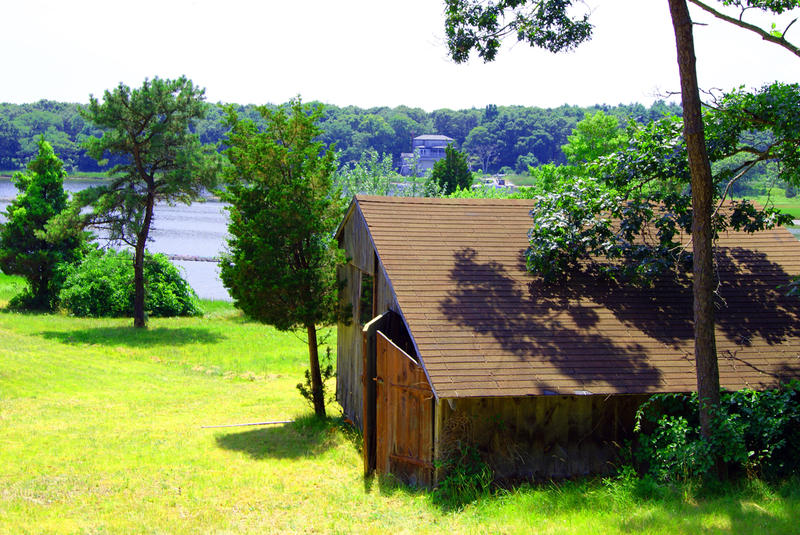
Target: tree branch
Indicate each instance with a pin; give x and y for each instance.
(765, 35)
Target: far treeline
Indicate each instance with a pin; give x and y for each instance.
(507, 138)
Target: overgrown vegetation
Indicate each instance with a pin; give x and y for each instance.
(101, 285)
(465, 477)
(755, 433)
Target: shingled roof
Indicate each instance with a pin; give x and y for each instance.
(485, 327)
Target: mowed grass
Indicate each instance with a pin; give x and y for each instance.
(778, 199)
(100, 432)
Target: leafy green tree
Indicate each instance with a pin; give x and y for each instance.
(281, 264)
(149, 129)
(555, 25)
(452, 172)
(595, 136)
(482, 144)
(23, 248)
(9, 144)
(373, 174)
(550, 177)
(645, 186)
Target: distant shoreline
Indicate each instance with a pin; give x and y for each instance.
(8, 176)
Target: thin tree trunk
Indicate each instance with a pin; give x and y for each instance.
(139, 319)
(705, 349)
(316, 377)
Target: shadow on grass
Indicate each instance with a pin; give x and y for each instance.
(307, 436)
(131, 336)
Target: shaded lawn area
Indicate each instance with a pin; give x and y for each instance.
(100, 433)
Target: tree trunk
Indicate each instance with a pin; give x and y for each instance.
(139, 319)
(705, 349)
(316, 377)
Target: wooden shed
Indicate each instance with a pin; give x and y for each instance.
(452, 340)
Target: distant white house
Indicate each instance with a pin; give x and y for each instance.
(428, 149)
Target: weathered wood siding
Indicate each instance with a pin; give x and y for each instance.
(385, 298)
(348, 346)
(355, 240)
(541, 437)
(404, 416)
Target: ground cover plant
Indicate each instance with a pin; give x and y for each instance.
(100, 432)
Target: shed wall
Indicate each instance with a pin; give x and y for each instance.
(541, 437)
(357, 244)
(349, 365)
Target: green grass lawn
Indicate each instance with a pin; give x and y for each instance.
(100, 432)
(779, 200)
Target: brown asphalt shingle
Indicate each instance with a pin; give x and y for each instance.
(485, 327)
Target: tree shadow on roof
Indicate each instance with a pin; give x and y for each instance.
(551, 325)
(753, 296)
(592, 327)
(750, 302)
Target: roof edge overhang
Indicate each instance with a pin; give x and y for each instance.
(575, 394)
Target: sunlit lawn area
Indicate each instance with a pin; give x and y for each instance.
(100, 432)
(778, 199)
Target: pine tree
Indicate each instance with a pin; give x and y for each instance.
(23, 249)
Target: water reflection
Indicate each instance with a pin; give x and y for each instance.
(197, 230)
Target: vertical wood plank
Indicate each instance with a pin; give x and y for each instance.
(405, 416)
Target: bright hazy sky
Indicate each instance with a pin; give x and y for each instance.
(359, 52)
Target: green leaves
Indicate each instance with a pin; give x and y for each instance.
(644, 188)
(595, 136)
(568, 225)
(452, 172)
(283, 211)
(480, 25)
(373, 174)
(754, 432)
(23, 249)
(102, 286)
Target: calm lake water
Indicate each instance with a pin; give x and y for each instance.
(197, 230)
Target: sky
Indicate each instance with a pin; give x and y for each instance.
(358, 52)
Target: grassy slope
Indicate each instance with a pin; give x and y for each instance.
(100, 433)
(779, 200)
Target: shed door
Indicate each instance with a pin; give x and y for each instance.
(404, 416)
